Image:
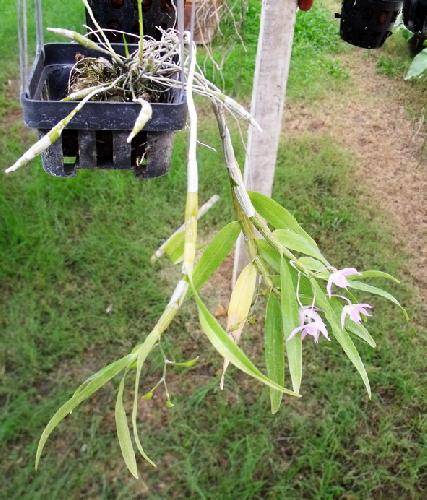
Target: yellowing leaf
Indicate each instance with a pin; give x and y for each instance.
(240, 304)
(187, 364)
(241, 300)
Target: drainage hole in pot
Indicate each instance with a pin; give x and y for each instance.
(104, 148)
(70, 143)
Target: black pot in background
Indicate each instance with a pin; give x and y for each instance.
(368, 23)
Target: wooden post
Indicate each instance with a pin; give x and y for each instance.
(268, 99)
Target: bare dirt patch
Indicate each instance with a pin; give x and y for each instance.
(371, 120)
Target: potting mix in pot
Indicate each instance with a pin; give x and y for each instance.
(308, 299)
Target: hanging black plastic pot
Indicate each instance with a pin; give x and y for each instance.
(97, 136)
(415, 16)
(122, 15)
(368, 23)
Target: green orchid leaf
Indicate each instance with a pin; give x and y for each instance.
(142, 353)
(215, 253)
(86, 390)
(227, 348)
(313, 265)
(373, 274)
(289, 306)
(274, 350)
(186, 364)
(269, 254)
(364, 287)
(342, 337)
(174, 247)
(147, 397)
(277, 216)
(418, 66)
(298, 243)
(351, 326)
(305, 292)
(123, 433)
(360, 331)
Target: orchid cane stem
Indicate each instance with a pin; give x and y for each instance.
(181, 288)
(236, 183)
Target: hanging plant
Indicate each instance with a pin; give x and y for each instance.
(307, 297)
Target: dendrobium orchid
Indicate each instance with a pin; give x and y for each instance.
(339, 278)
(354, 311)
(269, 230)
(310, 324)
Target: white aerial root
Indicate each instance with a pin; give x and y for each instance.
(85, 42)
(81, 94)
(54, 134)
(144, 116)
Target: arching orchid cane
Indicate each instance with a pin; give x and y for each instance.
(283, 260)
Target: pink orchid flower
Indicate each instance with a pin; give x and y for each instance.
(310, 324)
(339, 278)
(354, 311)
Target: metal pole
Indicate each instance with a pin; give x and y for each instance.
(39, 27)
(22, 42)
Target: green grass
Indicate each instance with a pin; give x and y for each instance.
(393, 60)
(69, 249)
(395, 57)
(314, 70)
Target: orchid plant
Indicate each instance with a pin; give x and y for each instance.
(299, 282)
